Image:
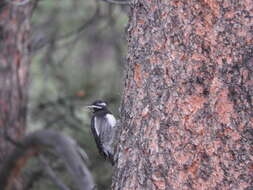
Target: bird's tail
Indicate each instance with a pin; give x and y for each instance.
(109, 154)
(111, 158)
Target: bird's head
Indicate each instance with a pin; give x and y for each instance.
(98, 105)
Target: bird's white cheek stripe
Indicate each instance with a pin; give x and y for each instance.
(95, 126)
(111, 119)
(102, 104)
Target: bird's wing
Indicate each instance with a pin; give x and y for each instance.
(105, 127)
(95, 132)
(102, 129)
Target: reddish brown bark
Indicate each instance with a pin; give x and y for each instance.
(14, 62)
(187, 110)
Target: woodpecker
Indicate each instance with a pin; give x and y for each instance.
(103, 125)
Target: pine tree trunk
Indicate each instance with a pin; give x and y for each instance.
(187, 110)
(14, 63)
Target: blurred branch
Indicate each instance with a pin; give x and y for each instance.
(44, 41)
(123, 2)
(58, 109)
(64, 147)
(51, 174)
(83, 26)
(18, 3)
(59, 101)
(32, 178)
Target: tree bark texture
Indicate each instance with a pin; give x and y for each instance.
(187, 110)
(14, 63)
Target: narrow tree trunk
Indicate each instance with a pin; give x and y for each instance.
(14, 62)
(187, 110)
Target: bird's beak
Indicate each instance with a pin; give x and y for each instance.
(90, 108)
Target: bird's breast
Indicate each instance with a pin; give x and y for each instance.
(111, 119)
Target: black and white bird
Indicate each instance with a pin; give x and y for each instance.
(103, 125)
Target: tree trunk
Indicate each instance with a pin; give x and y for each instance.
(187, 110)
(14, 63)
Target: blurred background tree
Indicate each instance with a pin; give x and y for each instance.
(77, 50)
